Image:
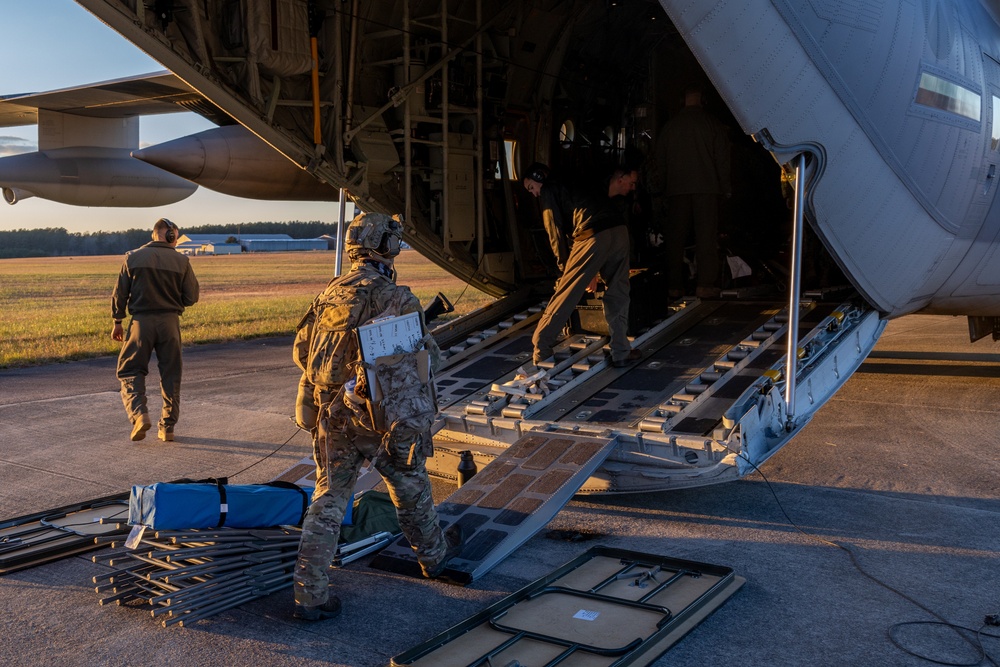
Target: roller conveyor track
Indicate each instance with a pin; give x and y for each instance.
(704, 351)
(473, 364)
(575, 360)
(699, 407)
(481, 359)
(694, 365)
(707, 390)
(675, 358)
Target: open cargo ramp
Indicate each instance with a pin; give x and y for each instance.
(704, 404)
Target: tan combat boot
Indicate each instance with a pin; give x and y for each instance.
(139, 427)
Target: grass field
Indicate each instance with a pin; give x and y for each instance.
(59, 308)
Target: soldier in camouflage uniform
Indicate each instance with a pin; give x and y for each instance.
(325, 347)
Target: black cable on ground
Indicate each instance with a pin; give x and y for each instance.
(981, 651)
(479, 268)
(260, 460)
(273, 452)
(976, 642)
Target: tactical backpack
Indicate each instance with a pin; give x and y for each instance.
(402, 404)
(325, 343)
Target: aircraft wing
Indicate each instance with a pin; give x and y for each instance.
(142, 95)
(78, 126)
(85, 138)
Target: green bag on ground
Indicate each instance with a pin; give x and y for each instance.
(373, 513)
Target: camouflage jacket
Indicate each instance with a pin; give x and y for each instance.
(325, 341)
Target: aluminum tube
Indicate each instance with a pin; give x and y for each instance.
(338, 260)
(352, 54)
(795, 286)
(480, 206)
(407, 131)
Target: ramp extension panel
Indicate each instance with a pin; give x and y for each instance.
(510, 500)
(607, 607)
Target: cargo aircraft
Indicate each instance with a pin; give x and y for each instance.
(881, 117)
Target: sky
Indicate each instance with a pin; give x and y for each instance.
(51, 44)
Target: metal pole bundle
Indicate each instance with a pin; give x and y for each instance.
(189, 575)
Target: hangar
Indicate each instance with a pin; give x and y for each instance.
(228, 244)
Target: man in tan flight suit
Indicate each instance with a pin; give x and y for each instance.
(155, 285)
(599, 245)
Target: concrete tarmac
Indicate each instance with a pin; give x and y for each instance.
(885, 510)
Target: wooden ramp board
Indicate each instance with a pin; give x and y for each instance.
(510, 500)
(606, 607)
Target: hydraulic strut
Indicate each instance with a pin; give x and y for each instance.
(794, 287)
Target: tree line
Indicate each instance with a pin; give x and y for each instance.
(56, 241)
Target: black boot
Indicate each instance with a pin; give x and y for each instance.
(454, 537)
(329, 609)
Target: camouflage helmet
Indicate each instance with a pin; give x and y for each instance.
(375, 235)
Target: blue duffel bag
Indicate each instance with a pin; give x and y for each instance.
(180, 506)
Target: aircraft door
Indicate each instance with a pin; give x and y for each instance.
(979, 273)
(990, 168)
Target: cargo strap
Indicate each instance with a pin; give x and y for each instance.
(223, 505)
(289, 485)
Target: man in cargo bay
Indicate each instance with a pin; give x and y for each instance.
(329, 406)
(589, 237)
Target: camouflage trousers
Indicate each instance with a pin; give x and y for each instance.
(339, 449)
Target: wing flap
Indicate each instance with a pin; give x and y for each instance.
(142, 95)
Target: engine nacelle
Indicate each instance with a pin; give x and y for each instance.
(235, 162)
(14, 195)
(90, 176)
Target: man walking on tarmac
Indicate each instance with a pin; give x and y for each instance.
(335, 407)
(155, 285)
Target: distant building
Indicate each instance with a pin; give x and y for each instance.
(223, 244)
(331, 241)
(282, 245)
(221, 249)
